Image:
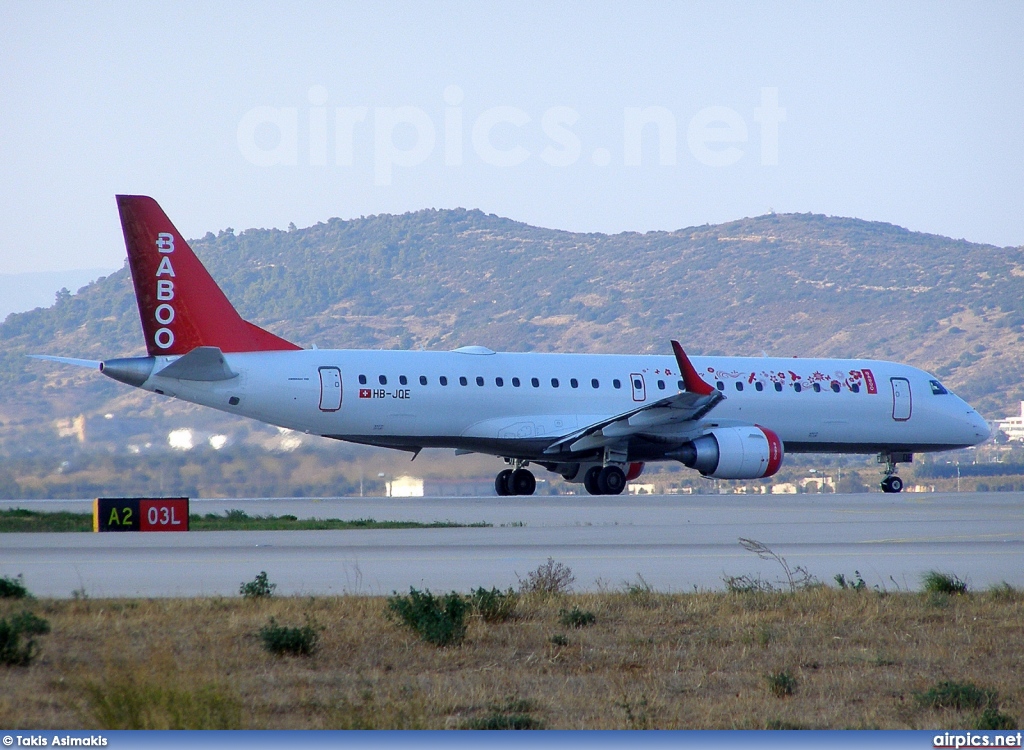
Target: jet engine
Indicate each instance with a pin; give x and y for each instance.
(733, 453)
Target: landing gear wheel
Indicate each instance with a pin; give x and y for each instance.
(590, 480)
(522, 482)
(501, 483)
(892, 484)
(611, 480)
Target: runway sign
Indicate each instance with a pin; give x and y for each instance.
(140, 514)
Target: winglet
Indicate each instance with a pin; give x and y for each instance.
(692, 381)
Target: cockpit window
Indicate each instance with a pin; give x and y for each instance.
(937, 388)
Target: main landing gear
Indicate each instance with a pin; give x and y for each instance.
(891, 482)
(604, 480)
(518, 481)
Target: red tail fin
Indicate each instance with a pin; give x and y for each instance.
(180, 304)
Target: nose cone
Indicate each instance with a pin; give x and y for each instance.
(981, 428)
(972, 427)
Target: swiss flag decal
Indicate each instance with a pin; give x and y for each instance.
(365, 393)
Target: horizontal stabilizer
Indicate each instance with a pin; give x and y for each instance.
(95, 365)
(204, 363)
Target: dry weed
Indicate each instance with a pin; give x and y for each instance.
(663, 661)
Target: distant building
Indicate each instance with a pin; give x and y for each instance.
(466, 487)
(1013, 427)
(640, 489)
(71, 428)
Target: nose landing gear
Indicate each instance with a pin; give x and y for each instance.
(891, 482)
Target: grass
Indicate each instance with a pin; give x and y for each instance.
(493, 605)
(514, 713)
(781, 684)
(673, 661)
(120, 700)
(957, 695)
(934, 582)
(22, 520)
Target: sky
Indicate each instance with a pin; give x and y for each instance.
(596, 117)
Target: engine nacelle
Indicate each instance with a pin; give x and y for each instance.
(734, 453)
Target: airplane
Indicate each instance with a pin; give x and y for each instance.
(594, 419)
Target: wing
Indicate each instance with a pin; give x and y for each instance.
(91, 364)
(687, 405)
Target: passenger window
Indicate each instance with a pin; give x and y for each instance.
(834, 387)
(499, 382)
(661, 385)
(442, 380)
(403, 380)
(855, 387)
(362, 380)
(479, 380)
(383, 380)
(463, 381)
(534, 382)
(594, 383)
(423, 379)
(758, 386)
(515, 382)
(554, 382)
(739, 386)
(720, 385)
(797, 387)
(616, 383)
(817, 387)
(574, 383)
(937, 388)
(681, 385)
(778, 387)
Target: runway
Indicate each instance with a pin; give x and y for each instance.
(676, 543)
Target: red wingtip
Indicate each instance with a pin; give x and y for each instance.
(180, 304)
(692, 381)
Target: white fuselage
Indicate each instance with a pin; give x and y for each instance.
(516, 404)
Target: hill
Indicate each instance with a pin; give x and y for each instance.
(784, 284)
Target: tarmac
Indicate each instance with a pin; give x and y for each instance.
(672, 543)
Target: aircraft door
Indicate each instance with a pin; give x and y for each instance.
(902, 402)
(330, 389)
(639, 389)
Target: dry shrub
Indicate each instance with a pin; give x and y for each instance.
(13, 588)
(438, 620)
(258, 588)
(549, 578)
(281, 639)
(17, 638)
